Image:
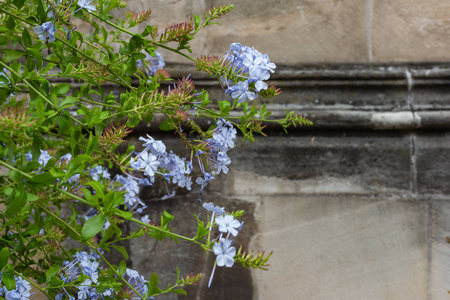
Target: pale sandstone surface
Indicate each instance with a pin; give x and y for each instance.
(292, 32)
(410, 30)
(440, 255)
(342, 248)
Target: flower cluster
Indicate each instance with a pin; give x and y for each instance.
(43, 158)
(21, 292)
(47, 30)
(138, 283)
(130, 185)
(150, 64)
(222, 140)
(252, 65)
(223, 248)
(154, 159)
(87, 265)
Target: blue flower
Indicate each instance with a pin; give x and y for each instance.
(149, 163)
(137, 281)
(228, 223)
(222, 161)
(86, 4)
(225, 253)
(241, 92)
(46, 31)
(223, 137)
(95, 173)
(85, 290)
(151, 64)
(131, 187)
(204, 181)
(21, 292)
(216, 209)
(258, 77)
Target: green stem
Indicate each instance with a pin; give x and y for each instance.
(166, 231)
(75, 49)
(132, 33)
(37, 91)
(50, 186)
(98, 103)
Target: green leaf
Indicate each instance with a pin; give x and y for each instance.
(93, 226)
(32, 230)
(37, 56)
(112, 200)
(166, 125)
(98, 188)
(30, 64)
(41, 14)
(12, 55)
(148, 29)
(135, 42)
(3, 40)
(197, 21)
(225, 108)
(19, 3)
(50, 273)
(87, 194)
(4, 256)
(15, 176)
(68, 102)
(68, 69)
(121, 250)
(165, 219)
(152, 285)
(201, 230)
(9, 281)
(41, 180)
(112, 4)
(10, 23)
(26, 38)
(8, 191)
(122, 268)
(123, 214)
(18, 203)
(92, 143)
(32, 197)
(62, 88)
(179, 291)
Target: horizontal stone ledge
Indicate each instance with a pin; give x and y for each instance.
(339, 71)
(382, 120)
(342, 120)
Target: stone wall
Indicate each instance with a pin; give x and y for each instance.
(330, 31)
(355, 207)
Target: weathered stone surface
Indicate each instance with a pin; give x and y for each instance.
(440, 254)
(410, 31)
(433, 162)
(148, 255)
(296, 31)
(342, 248)
(317, 162)
(293, 32)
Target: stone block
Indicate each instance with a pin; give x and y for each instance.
(440, 249)
(317, 162)
(294, 31)
(148, 255)
(410, 30)
(346, 247)
(433, 163)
